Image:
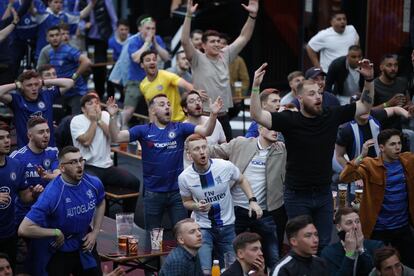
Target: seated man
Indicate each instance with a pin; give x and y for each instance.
(301, 260)
(205, 189)
(249, 256)
(387, 263)
(352, 247)
(90, 133)
(387, 207)
(184, 259)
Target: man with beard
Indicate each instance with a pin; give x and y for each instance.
(310, 138)
(40, 166)
(162, 82)
(182, 69)
(13, 184)
(332, 42)
(33, 100)
(162, 143)
(184, 259)
(69, 215)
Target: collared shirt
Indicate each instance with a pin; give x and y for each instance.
(180, 262)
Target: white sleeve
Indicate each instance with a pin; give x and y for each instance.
(78, 126)
(235, 172)
(182, 184)
(105, 117)
(317, 42)
(221, 134)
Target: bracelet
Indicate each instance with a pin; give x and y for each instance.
(57, 232)
(195, 206)
(255, 90)
(18, 85)
(350, 254)
(75, 76)
(253, 17)
(189, 16)
(359, 158)
(385, 104)
(369, 80)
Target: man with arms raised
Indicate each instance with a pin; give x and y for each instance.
(162, 143)
(310, 139)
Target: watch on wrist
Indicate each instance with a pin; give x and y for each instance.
(75, 76)
(254, 199)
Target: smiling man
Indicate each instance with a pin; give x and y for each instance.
(387, 207)
(332, 42)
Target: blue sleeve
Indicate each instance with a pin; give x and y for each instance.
(100, 190)
(23, 185)
(133, 46)
(160, 41)
(74, 54)
(296, 103)
(55, 162)
(135, 133)
(187, 128)
(16, 98)
(252, 132)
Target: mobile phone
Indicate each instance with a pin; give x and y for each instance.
(254, 215)
(341, 235)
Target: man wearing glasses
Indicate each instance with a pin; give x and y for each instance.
(63, 215)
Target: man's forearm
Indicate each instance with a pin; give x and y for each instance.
(113, 128)
(208, 127)
(29, 229)
(86, 11)
(245, 186)
(165, 56)
(313, 56)
(84, 65)
(87, 138)
(98, 217)
(64, 83)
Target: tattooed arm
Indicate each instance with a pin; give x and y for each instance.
(367, 97)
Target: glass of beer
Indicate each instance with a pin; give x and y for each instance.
(342, 195)
(122, 242)
(358, 195)
(132, 246)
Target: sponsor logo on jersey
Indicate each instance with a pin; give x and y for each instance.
(4, 205)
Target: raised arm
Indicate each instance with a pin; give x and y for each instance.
(5, 90)
(313, 56)
(87, 10)
(397, 111)
(116, 135)
(185, 34)
(262, 117)
(64, 84)
(340, 152)
(84, 65)
(182, 83)
(4, 33)
(364, 105)
(352, 170)
(247, 30)
(163, 53)
(208, 127)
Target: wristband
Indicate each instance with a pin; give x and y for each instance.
(189, 16)
(75, 76)
(385, 104)
(195, 206)
(359, 158)
(255, 90)
(252, 199)
(350, 254)
(369, 80)
(253, 17)
(57, 232)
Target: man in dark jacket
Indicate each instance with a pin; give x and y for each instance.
(249, 256)
(342, 79)
(352, 248)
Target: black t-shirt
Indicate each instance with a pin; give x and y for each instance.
(310, 144)
(346, 135)
(384, 92)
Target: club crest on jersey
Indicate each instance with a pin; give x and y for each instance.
(41, 105)
(89, 194)
(46, 163)
(171, 134)
(13, 176)
(160, 87)
(218, 180)
(68, 200)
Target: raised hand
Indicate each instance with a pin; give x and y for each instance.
(366, 69)
(111, 106)
(252, 8)
(365, 147)
(259, 74)
(191, 8)
(216, 106)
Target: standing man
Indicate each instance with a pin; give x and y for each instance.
(343, 80)
(387, 207)
(211, 68)
(262, 161)
(352, 246)
(69, 213)
(13, 185)
(310, 139)
(184, 260)
(162, 82)
(294, 78)
(249, 256)
(33, 99)
(182, 68)
(162, 143)
(146, 39)
(302, 260)
(90, 133)
(205, 189)
(69, 63)
(332, 42)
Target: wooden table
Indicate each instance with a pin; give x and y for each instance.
(107, 246)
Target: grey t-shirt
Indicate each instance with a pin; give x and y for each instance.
(213, 75)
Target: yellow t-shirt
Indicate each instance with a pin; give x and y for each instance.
(166, 83)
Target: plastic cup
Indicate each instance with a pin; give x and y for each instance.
(133, 245)
(342, 195)
(156, 238)
(358, 195)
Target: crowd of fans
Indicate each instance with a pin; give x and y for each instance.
(247, 196)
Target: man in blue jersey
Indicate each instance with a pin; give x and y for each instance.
(69, 63)
(12, 184)
(162, 143)
(146, 39)
(64, 214)
(55, 15)
(205, 189)
(33, 99)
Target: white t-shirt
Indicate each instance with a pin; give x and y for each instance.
(332, 45)
(98, 153)
(256, 175)
(287, 99)
(213, 186)
(217, 137)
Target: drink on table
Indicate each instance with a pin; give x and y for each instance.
(215, 270)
